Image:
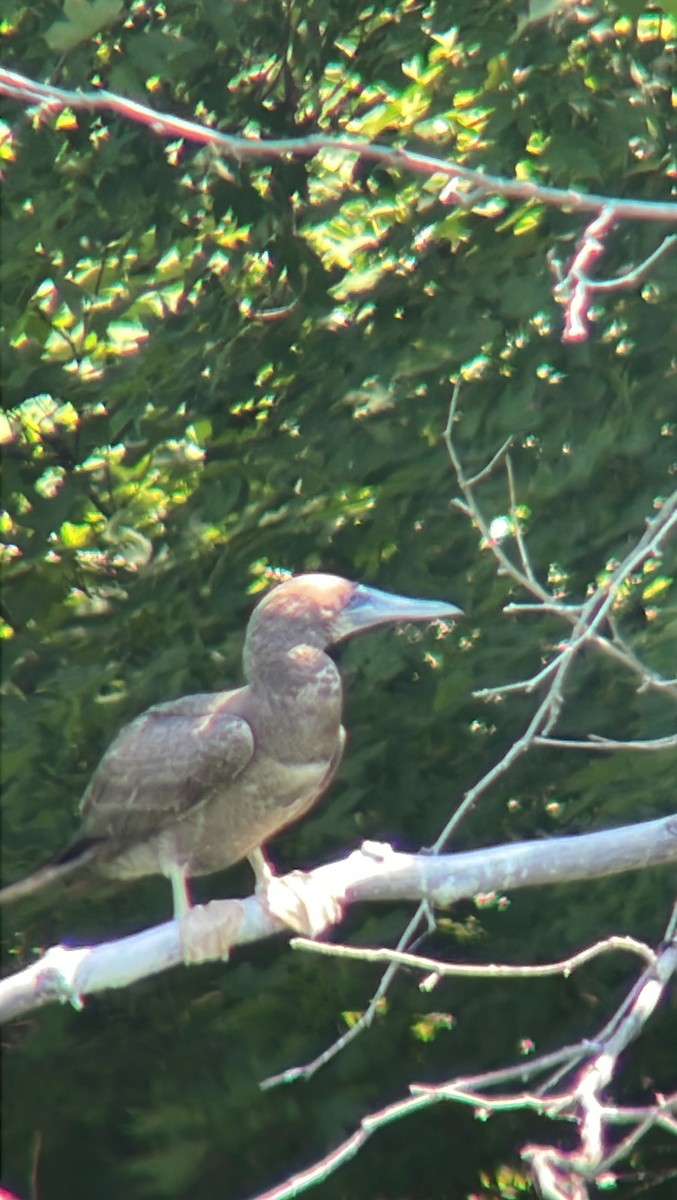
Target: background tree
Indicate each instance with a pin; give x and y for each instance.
(216, 368)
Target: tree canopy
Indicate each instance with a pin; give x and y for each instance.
(219, 367)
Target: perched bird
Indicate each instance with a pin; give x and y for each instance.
(198, 783)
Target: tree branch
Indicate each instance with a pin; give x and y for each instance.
(465, 186)
(438, 969)
(562, 1175)
(373, 873)
(46, 97)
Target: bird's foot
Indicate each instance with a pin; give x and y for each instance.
(208, 931)
(299, 901)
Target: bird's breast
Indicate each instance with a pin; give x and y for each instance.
(271, 795)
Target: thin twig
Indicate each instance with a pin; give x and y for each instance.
(638, 273)
(602, 743)
(516, 523)
(440, 968)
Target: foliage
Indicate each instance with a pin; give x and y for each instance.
(214, 370)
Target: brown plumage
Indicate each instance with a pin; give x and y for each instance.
(198, 783)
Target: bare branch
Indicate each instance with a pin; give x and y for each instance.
(48, 98)
(557, 607)
(577, 290)
(575, 287)
(326, 1166)
(559, 1173)
(494, 880)
(441, 969)
(373, 873)
(486, 471)
(516, 523)
(602, 743)
(639, 273)
(586, 619)
(572, 1169)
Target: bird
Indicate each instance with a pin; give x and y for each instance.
(196, 784)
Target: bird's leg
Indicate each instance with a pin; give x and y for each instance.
(297, 900)
(181, 896)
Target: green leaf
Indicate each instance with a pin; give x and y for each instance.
(83, 19)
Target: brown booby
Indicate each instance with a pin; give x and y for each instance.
(196, 784)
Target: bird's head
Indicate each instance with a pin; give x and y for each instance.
(319, 610)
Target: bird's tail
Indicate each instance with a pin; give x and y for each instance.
(77, 856)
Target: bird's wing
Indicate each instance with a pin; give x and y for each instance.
(165, 764)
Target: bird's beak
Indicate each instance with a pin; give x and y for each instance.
(369, 606)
